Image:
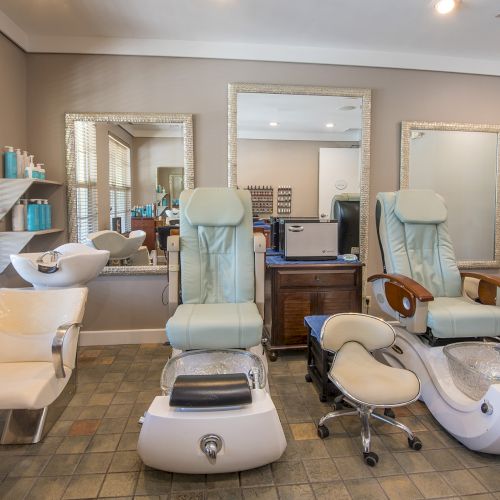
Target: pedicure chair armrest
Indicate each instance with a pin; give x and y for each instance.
(487, 287)
(259, 248)
(404, 299)
(57, 348)
(173, 248)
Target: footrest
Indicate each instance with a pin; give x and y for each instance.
(207, 391)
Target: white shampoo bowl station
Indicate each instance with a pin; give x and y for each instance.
(120, 247)
(39, 337)
(69, 265)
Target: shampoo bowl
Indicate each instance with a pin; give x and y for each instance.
(120, 247)
(77, 264)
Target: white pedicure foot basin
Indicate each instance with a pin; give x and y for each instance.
(69, 265)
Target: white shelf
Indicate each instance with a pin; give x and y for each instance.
(12, 242)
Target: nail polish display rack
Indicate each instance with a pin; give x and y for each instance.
(262, 199)
(284, 202)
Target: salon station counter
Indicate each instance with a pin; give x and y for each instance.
(295, 289)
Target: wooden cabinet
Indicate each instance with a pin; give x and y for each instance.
(294, 291)
(146, 224)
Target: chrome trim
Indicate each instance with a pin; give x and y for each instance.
(394, 422)
(57, 347)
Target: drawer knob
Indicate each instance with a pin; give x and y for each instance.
(316, 278)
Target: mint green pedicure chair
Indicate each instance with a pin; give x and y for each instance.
(447, 321)
(215, 414)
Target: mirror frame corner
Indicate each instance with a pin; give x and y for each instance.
(404, 174)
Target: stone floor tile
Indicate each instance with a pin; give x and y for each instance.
(103, 442)
(399, 487)
(296, 492)
(47, 446)
(94, 463)
(220, 481)
(125, 461)
(86, 486)
(29, 466)
(101, 399)
(432, 485)
(73, 444)
(124, 398)
(60, 428)
(365, 489)
(112, 426)
(289, 473)
(8, 463)
(119, 484)
(262, 476)
(187, 495)
(153, 482)
(488, 476)
(413, 461)
(46, 488)
(61, 465)
(321, 470)
(442, 459)
(128, 441)
(463, 482)
(226, 494)
(265, 493)
(91, 412)
(352, 467)
(304, 431)
(186, 482)
(84, 427)
(16, 487)
(115, 411)
(387, 466)
(335, 490)
(311, 449)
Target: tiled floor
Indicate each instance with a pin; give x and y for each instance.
(90, 452)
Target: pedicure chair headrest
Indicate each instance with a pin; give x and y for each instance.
(209, 391)
(420, 206)
(205, 209)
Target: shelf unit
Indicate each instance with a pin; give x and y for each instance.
(14, 241)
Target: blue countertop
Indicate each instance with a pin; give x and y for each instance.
(315, 323)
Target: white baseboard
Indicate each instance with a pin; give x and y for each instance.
(113, 337)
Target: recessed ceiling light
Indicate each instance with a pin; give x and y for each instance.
(273, 124)
(329, 125)
(349, 107)
(445, 6)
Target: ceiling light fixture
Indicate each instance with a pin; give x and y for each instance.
(329, 125)
(446, 6)
(273, 124)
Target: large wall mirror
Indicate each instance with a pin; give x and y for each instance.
(314, 140)
(460, 162)
(125, 172)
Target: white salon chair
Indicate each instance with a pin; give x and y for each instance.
(121, 247)
(38, 337)
(365, 383)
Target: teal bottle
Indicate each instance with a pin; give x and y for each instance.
(10, 163)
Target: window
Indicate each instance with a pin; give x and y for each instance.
(86, 179)
(120, 199)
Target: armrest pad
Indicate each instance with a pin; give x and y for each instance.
(205, 391)
(259, 243)
(173, 243)
(487, 289)
(416, 289)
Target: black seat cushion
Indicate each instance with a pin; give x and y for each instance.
(205, 391)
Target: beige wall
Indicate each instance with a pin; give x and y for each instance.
(71, 83)
(149, 153)
(13, 128)
(276, 163)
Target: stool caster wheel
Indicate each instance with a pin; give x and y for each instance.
(273, 356)
(370, 458)
(415, 443)
(389, 412)
(323, 431)
(323, 399)
(308, 378)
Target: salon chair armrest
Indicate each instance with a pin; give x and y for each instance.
(57, 348)
(404, 299)
(259, 248)
(487, 286)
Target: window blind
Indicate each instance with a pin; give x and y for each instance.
(120, 198)
(86, 179)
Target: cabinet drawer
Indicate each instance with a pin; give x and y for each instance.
(318, 278)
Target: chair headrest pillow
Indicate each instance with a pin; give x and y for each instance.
(214, 207)
(420, 206)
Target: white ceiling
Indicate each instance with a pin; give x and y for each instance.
(299, 117)
(383, 33)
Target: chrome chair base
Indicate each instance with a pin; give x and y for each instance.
(30, 426)
(365, 412)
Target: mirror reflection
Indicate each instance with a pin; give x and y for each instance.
(127, 178)
(460, 165)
